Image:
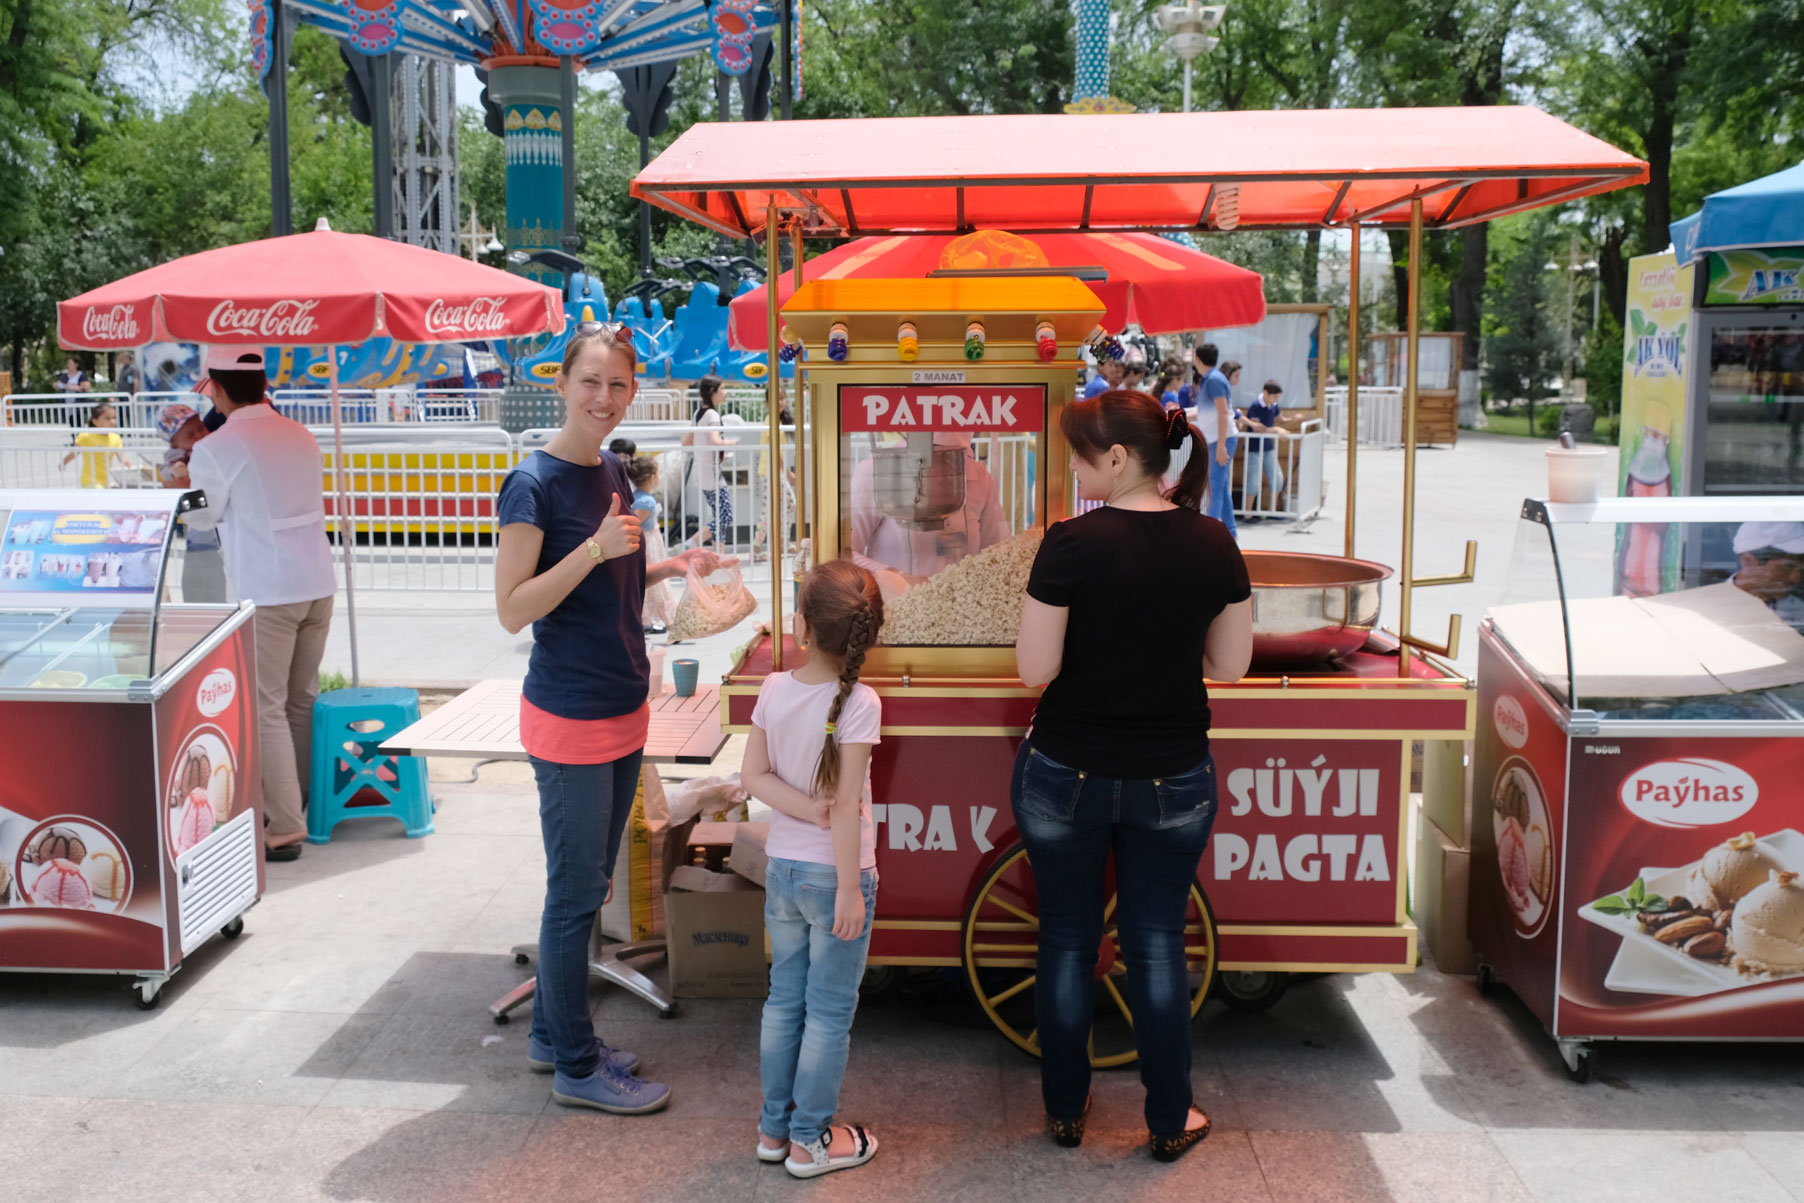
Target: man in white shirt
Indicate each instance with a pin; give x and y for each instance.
(262, 474)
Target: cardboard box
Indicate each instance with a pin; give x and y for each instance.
(649, 850)
(1447, 787)
(1443, 880)
(748, 858)
(716, 935)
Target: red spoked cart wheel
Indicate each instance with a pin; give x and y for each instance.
(1001, 936)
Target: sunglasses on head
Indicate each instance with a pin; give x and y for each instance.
(620, 330)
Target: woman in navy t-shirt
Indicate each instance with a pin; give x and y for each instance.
(570, 563)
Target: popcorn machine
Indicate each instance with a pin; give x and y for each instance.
(937, 463)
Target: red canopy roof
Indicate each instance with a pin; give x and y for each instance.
(1047, 173)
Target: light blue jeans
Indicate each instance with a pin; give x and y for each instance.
(814, 979)
(1262, 461)
(1221, 495)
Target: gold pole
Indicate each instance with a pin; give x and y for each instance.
(1406, 573)
(1352, 415)
(773, 403)
(801, 410)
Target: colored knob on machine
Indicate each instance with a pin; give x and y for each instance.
(837, 342)
(974, 339)
(1046, 341)
(908, 345)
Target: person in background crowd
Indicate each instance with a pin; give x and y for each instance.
(1107, 770)
(1215, 419)
(1134, 377)
(95, 465)
(660, 602)
(1770, 557)
(127, 373)
(626, 449)
(708, 476)
(1109, 374)
(203, 563)
(1171, 373)
(1262, 448)
(72, 382)
(570, 563)
(263, 476)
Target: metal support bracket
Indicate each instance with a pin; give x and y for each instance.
(1450, 649)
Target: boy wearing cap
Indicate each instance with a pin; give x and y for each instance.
(262, 474)
(203, 564)
(1770, 559)
(1262, 452)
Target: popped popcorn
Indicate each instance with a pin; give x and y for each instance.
(975, 602)
(711, 604)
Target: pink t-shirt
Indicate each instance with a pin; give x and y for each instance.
(793, 717)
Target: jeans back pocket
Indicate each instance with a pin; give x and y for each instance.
(1187, 798)
(1047, 789)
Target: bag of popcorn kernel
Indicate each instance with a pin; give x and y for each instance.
(711, 604)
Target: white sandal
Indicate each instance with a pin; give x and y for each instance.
(821, 1162)
(772, 1156)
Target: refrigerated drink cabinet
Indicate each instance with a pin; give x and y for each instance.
(130, 816)
(1638, 841)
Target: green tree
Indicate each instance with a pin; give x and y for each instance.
(1522, 341)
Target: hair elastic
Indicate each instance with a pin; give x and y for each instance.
(832, 727)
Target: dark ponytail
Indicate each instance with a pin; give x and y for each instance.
(1142, 426)
(707, 386)
(843, 607)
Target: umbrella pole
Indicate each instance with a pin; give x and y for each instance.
(1350, 418)
(1407, 568)
(347, 534)
(773, 396)
(801, 410)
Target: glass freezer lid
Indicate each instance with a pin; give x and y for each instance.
(96, 648)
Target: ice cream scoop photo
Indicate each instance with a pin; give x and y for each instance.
(1728, 871)
(1768, 929)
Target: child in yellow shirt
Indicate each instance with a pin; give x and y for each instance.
(95, 465)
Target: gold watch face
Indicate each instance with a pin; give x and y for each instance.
(594, 550)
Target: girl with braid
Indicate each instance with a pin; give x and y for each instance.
(809, 758)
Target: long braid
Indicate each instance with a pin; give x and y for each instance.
(861, 633)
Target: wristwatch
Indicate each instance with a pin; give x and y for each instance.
(594, 550)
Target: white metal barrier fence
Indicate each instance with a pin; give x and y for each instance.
(1298, 457)
(1380, 415)
(76, 411)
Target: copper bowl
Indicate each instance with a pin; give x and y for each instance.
(1308, 609)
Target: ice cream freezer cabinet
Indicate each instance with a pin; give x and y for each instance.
(1636, 844)
(130, 815)
(933, 435)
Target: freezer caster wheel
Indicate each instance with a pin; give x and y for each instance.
(501, 1021)
(521, 958)
(1251, 991)
(147, 995)
(1001, 939)
(234, 929)
(1581, 1062)
(1487, 980)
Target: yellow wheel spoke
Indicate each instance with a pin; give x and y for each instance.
(996, 1000)
(1033, 1038)
(1120, 1002)
(1011, 908)
(1108, 911)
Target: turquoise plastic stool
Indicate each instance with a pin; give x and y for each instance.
(348, 726)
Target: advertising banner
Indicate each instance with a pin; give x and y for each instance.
(1519, 783)
(1684, 909)
(1651, 429)
(915, 408)
(1774, 277)
(114, 552)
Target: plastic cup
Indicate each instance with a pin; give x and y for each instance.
(685, 673)
(657, 671)
(1573, 473)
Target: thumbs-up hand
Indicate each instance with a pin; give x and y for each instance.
(619, 534)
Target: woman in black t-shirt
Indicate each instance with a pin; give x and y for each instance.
(1118, 756)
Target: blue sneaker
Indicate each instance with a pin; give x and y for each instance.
(607, 1089)
(540, 1059)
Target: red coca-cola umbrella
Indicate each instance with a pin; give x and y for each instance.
(320, 289)
(1162, 286)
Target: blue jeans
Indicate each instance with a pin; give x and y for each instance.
(1157, 828)
(583, 809)
(1221, 498)
(814, 977)
(1262, 462)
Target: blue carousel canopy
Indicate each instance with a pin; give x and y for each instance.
(602, 35)
(1765, 212)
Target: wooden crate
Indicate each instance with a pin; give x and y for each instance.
(1437, 416)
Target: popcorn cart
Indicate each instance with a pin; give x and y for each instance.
(930, 451)
(1636, 856)
(131, 820)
